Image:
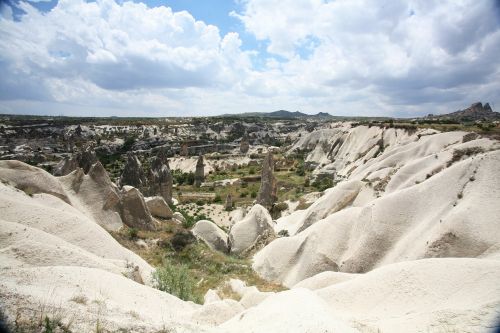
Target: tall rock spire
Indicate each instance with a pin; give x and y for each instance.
(267, 192)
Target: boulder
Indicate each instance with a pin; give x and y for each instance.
(158, 207)
(134, 211)
(256, 227)
(211, 296)
(179, 217)
(215, 313)
(211, 234)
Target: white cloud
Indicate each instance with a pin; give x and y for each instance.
(345, 57)
(118, 47)
(405, 52)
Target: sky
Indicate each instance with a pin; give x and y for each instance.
(208, 57)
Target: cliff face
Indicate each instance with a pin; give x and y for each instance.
(476, 111)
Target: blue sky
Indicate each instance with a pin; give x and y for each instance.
(208, 57)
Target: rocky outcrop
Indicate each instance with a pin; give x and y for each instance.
(158, 207)
(229, 202)
(199, 174)
(244, 144)
(257, 227)
(95, 194)
(83, 159)
(134, 211)
(133, 174)
(161, 180)
(477, 111)
(184, 149)
(211, 234)
(267, 192)
(30, 179)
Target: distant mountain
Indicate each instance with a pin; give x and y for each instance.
(476, 111)
(281, 114)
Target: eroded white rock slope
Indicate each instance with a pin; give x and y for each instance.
(407, 241)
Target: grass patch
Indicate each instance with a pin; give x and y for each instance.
(176, 280)
(208, 268)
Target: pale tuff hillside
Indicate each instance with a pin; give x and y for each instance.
(406, 241)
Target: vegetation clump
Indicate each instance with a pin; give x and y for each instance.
(458, 154)
(175, 279)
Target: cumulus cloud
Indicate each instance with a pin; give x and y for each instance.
(402, 51)
(348, 57)
(118, 47)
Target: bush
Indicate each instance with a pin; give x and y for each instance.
(175, 280)
(183, 178)
(181, 239)
(459, 153)
(253, 194)
(323, 184)
(217, 198)
(132, 233)
(283, 233)
(301, 170)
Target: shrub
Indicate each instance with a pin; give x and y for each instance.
(253, 194)
(181, 239)
(217, 198)
(175, 280)
(300, 171)
(459, 153)
(283, 233)
(323, 184)
(132, 233)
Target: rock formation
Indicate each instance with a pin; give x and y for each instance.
(83, 159)
(134, 211)
(211, 234)
(229, 202)
(133, 174)
(184, 149)
(161, 179)
(257, 227)
(199, 174)
(179, 218)
(267, 193)
(158, 207)
(476, 112)
(244, 144)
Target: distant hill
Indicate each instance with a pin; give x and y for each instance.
(476, 111)
(281, 114)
